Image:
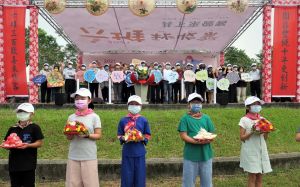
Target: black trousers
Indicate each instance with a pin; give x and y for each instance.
(129, 92)
(118, 88)
(201, 88)
(255, 88)
(94, 89)
(189, 88)
(70, 87)
(22, 178)
(155, 93)
(45, 91)
(105, 94)
(232, 93)
(55, 90)
(161, 87)
(176, 91)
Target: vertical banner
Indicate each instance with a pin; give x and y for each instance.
(285, 52)
(14, 50)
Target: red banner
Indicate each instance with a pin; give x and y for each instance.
(285, 44)
(14, 51)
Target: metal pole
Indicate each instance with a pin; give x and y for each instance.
(215, 91)
(182, 89)
(109, 91)
(77, 84)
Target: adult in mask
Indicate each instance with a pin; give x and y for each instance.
(133, 164)
(177, 84)
(104, 84)
(155, 87)
(70, 82)
(55, 81)
(82, 165)
(255, 86)
(45, 90)
(254, 157)
(94, 86)
(197, 154)
(167, 86)
(22, 159)
(80, 76)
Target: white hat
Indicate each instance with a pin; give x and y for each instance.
(194, 96)
(131, 64)
(177, 64)
(135, 98)
(84, 92)
(252, 99)
(168, 63)
(209, 66)
(118, 64)
(27, 107)
(83, 65)
(143, 62)
(94, 62)
(235, 66)
(229, 65)
(46, 64)
(155, 63)
(70, 62)
(253, 64)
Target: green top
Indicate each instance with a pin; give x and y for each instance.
(196, 152)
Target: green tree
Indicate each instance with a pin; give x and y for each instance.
(238, 57)
(70, 53)
(49, 50)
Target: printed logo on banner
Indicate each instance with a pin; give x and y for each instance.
(128, 80)
(117, 76)
(189, 76)
(102, 76)
(89, 76)
(202, 75)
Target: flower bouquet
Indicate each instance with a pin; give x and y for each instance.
(140, 76)
(263, 126)
(133, 135)
(12, 141)
(75, 128)
(204, 135)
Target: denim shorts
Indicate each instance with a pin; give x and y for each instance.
(192, 169)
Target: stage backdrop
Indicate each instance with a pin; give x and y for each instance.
(284, 67)
(14, 50)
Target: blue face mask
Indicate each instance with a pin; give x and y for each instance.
(255, 108)
(134, 109)
(196, 108)
(106, 68)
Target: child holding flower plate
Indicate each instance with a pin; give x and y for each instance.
(133, 133)
(254, 157)
(195, 129)
(82, 165)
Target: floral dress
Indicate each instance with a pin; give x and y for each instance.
(254, 156)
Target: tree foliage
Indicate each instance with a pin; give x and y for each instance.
(49, 50)
(238, 57)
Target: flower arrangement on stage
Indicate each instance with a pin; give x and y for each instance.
(133, 135)
(263, 126)
(97, 7)
(140, 76)
(75, 128)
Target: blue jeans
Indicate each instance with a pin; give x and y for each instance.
(168, 90)
(192, 169)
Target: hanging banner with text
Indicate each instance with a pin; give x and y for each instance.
(14, 51)
(284, 65)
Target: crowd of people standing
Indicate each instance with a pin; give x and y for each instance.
(162, 91)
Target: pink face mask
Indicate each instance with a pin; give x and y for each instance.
(81, 104)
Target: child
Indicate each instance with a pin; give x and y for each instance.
(23, 160)
(82, 166)
(133, 169)
(197, 154)
(254, 157)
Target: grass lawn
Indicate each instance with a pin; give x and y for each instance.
(165, 142)
(278, 178)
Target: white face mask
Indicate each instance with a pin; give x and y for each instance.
(134, 109)
(69, 66)
(83, 68)
(23, 116)
(46, 67)
(255, 108)
(131, 67)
